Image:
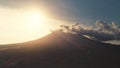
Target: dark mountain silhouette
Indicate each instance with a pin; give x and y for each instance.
(60, 50)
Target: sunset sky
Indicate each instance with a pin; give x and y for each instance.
(24, 20)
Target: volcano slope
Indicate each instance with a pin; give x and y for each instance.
(60, 50)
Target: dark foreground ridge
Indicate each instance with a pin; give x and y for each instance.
(60, 50)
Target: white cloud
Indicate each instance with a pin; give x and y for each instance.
(116, 42)
(102, 32)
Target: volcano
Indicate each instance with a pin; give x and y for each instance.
(60, 50)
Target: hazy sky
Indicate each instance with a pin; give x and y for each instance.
(12, 12)
(75, 10)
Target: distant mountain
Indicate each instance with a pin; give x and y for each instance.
(60, 50)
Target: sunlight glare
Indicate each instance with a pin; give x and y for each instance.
(35, 18)
(37, 22)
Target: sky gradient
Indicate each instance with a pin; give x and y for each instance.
(85, 11)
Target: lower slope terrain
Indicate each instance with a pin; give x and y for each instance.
(60, 50)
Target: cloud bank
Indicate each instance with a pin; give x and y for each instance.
(102, 31)
(19, 3)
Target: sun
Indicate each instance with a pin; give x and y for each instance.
(35, 18)
(37, 22)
